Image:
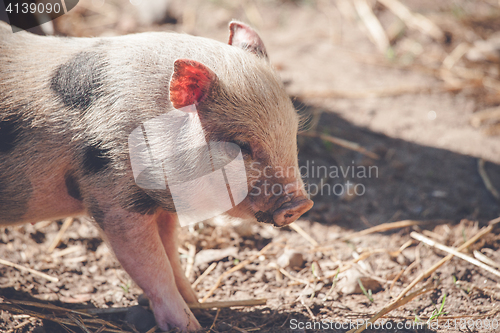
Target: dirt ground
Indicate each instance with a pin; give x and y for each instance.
(413, 108)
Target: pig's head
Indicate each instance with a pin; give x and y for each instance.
(240, 99)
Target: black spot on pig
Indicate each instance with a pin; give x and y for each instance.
(78, 82)
(139, 202)
(72, 186)
(9, 133)
(95, 159)
(15, 192)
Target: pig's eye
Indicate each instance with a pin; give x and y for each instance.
(244, 146)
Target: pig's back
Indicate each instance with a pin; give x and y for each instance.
(64, 98)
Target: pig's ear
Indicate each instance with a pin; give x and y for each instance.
(242, 36)
(190, 82)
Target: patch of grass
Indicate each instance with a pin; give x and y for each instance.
(126, 288)
(334, 283)
(368, 293)
(437, 313)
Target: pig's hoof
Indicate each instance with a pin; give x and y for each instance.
(143, 300)
(191, 325)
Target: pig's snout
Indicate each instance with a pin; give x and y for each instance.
(288, 208)
(291, 211)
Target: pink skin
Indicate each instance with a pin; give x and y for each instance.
(295, 204)
(153, 263)
(243, 36)
(168, 227)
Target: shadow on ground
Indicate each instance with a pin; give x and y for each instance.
(409, 181)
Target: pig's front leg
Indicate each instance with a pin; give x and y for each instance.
(168, 227)
(137, 244)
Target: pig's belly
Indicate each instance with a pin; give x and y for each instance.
(38, 199)
(52, 201)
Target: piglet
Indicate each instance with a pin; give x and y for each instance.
(68, 108)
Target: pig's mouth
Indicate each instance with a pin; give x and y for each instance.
(264, 217)
(286, 213)
(277, 210)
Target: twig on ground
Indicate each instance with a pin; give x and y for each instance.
(153, 329)
(375, 29)
(479, 256)
(404, 246)
(46, 306)
(454, 252)
(386, 227)
(486, 179)
(455, 55)
(78, 322)
(311, 315)
(100, 311)
(414, 20)
(434, 235)
(101, 329)
(204, 274)
(62, 321)
(190, 260)
(60, 234)
(291, 277)
(441, 262)
(294, 226)
(30, 270)
(236, 268)
(343, 143)
(66, 251)
(397, 278)
(228, 304)
(215, 319)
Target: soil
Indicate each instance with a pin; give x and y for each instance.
(426, 170)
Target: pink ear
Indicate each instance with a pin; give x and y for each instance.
(190, 82)
(242, 36)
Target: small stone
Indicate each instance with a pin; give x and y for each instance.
(93, 269)
(348, 282)
(290, 258)
(118, 296)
